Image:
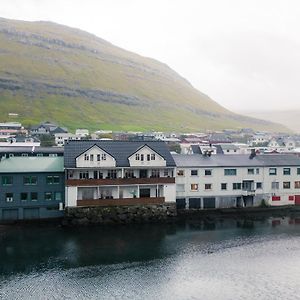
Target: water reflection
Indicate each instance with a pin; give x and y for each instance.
(30, 248)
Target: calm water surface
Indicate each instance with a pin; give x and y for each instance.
(229, 259)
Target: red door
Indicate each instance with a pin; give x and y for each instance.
(297, 199)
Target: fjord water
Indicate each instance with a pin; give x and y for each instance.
(224, 259)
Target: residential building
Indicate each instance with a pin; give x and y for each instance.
(47, 128)
(32, 187)
(221, 181)
(118, 173)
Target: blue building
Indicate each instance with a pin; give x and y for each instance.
(31, 187)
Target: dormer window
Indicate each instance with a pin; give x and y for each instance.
(103, 157)
(86, 157)
(148, 157)
(142, 157)
(98, 157)
(92, 157)
(153, 156)
(137, 157)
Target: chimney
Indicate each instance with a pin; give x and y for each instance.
(253, 154)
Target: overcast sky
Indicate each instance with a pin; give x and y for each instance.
(242, 53)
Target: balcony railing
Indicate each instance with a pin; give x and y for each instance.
(119, 181)
(121, 202)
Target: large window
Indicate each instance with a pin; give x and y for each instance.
(194, 172)
(286, 185)
(194, 187)
(30, 180)
(237, 186)
(208, 186)
(33, 196)
(251, 171)
(223, 186)
(275, 185)
(272, 171)
(7, 180)
(9, 197)
(208, 172)
(48, 196)
(24, 196)
(230, 172)
(53, 180)
(258, 185)
(297, 184)
(57, 196)
(286, 171)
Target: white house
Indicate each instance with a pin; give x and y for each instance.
(101, 173)
(221, 181)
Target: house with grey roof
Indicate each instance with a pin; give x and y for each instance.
(222, 181)
(103, 173)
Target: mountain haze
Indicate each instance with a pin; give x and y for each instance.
(65, 75)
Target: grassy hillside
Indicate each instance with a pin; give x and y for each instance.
(61, 74)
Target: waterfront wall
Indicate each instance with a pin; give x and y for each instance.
(120, 214)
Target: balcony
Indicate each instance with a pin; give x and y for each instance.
(248, 192)
(121, 202)
(119, 181)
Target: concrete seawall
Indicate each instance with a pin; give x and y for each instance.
(120, 214)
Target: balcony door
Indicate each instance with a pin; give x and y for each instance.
(143, 173)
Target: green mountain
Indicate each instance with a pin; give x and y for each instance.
(65, 75)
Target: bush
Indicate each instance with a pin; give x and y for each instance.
(264, 203)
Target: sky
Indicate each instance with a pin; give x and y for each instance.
(245, 54)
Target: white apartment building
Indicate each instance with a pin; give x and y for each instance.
(223, 181)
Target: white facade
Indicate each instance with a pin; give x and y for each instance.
(237, 186)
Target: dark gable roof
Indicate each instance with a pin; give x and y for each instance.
(120, 150)
(236, 160)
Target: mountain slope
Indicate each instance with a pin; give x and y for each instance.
(65, 75)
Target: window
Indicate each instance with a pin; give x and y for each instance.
(137, 157)
(297, 184)
(257, 170)
(230, 172)
(180, 187)
(194, 187)
(33, 196)
(112, 174)
(275, 185)
(98, 157)
(84, 175)
(48, 196)
(86, 157)
(208, 172)
(207, 186)
(92, 157)
(148, 157)
(258, 185)
(166, 173)
(250, 171)
(57, 196)
(103, 156)
(286, 185)
(272, 171)
(180, 173)
(9, 197)
(52, 179)
(286, 171)
(194, 172)
(298, 171)
(129, 173)
(237, 186)
(155, 173)
(223, 186)
(153, 156)
(142, 157)
(7, 180)
(24, 196)
(30, 180)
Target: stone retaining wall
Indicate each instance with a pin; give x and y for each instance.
(120, 214)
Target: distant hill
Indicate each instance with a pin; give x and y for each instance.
(65, 75)
(289, 118)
